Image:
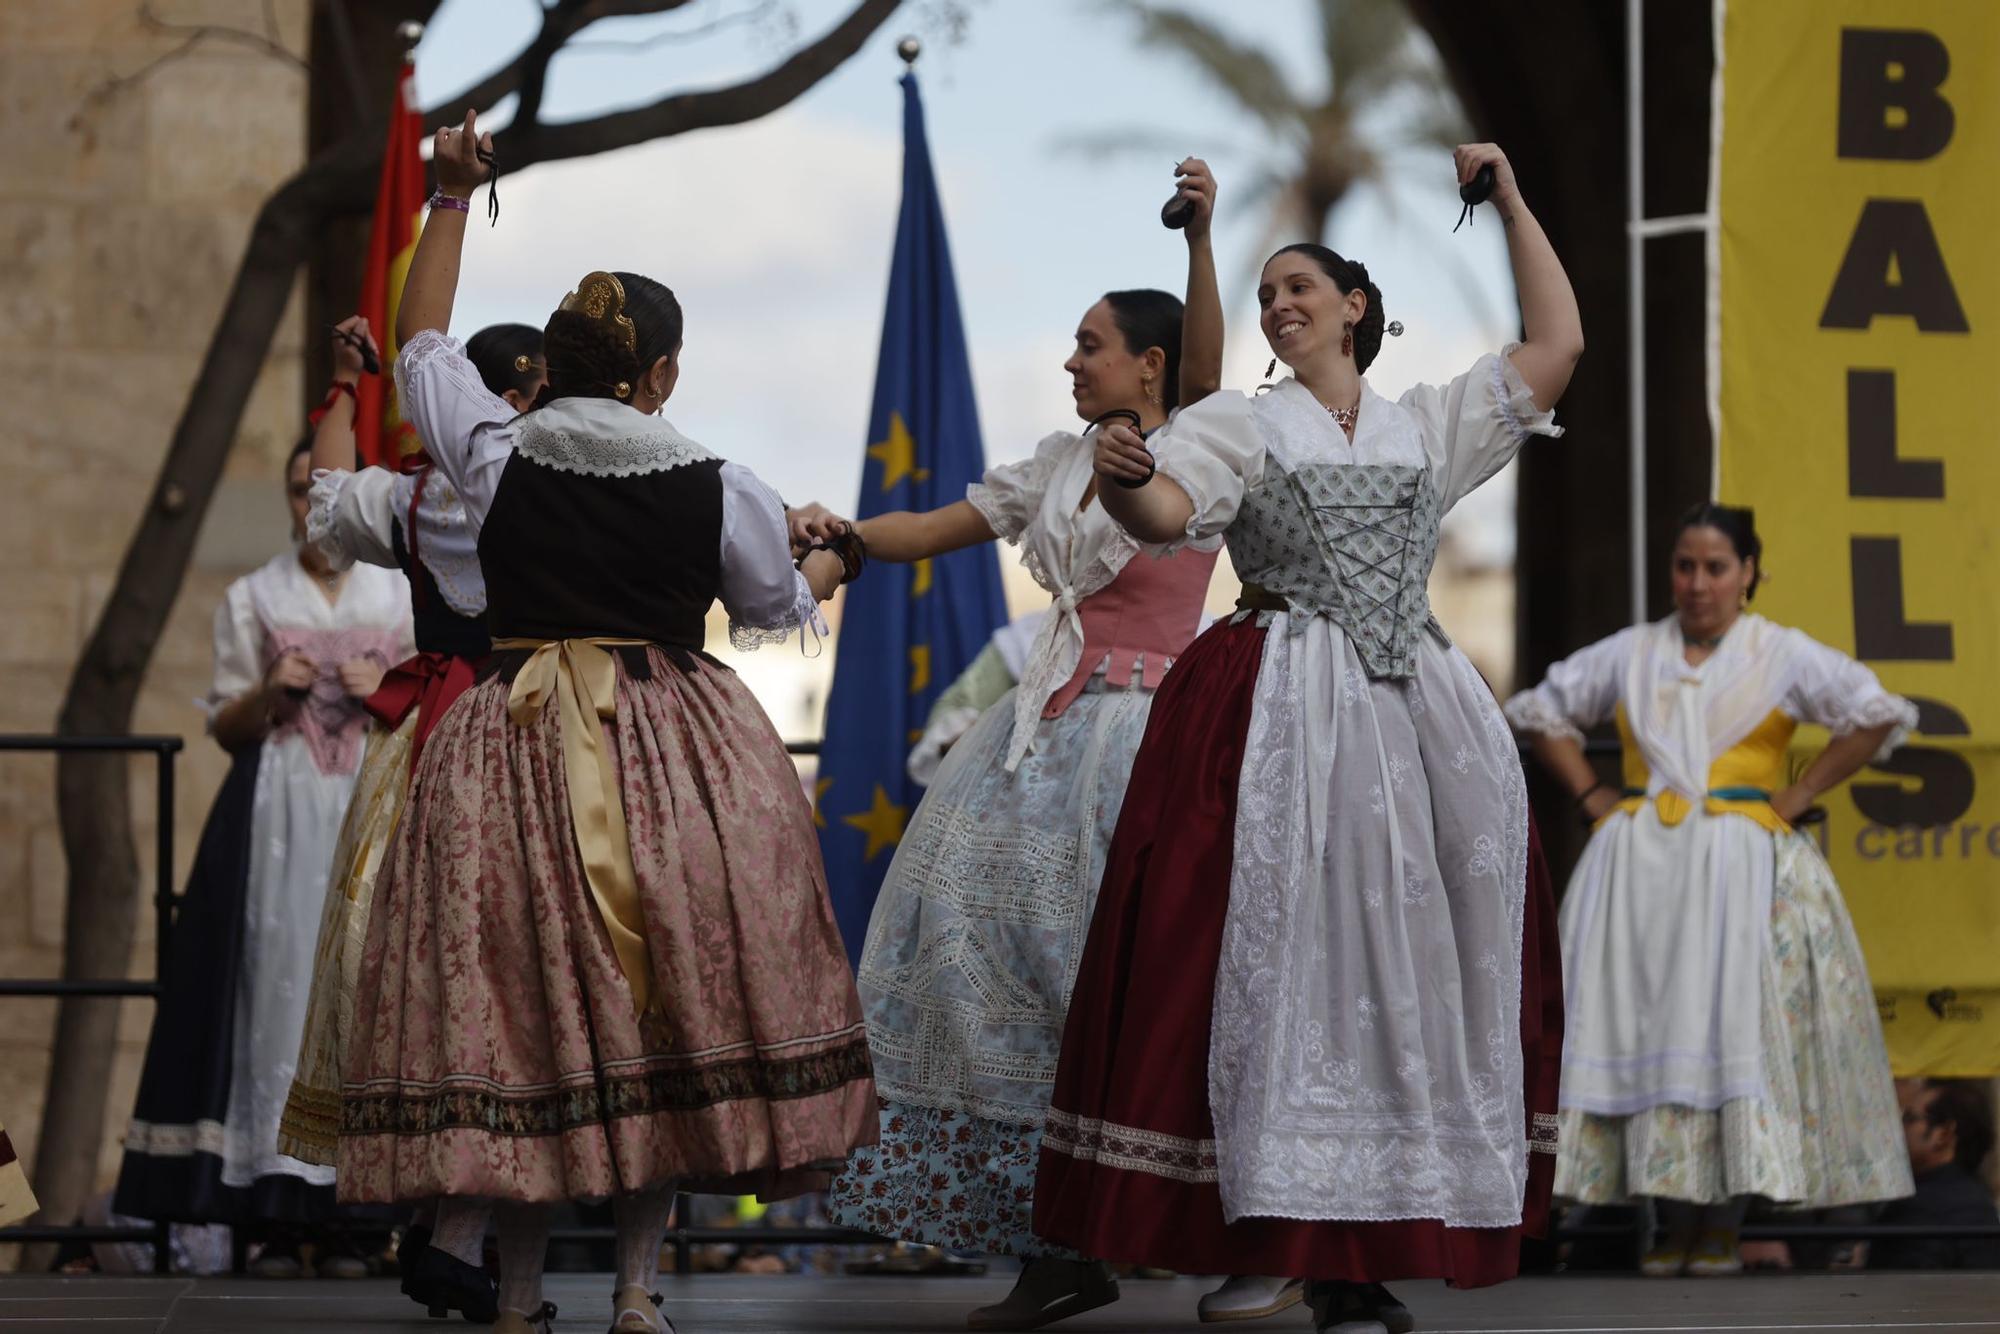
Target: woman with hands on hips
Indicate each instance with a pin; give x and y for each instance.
(1724, 1043)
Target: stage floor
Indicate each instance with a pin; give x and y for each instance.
(798, 1305)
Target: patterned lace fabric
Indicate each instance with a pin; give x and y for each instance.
(974, 943)
(1352, 542)
(1825, 1134)
(562, 440)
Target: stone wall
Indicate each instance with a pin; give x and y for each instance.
(127, 191)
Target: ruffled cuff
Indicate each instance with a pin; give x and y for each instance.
(1516, 402)
(1190, 539)
(804, 616)
(1002, 519)
(328, 485)
(1873, 711)
(1533, 713)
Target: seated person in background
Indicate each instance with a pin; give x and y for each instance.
(1948, 1127)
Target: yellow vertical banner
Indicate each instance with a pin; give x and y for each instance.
(1856, 306)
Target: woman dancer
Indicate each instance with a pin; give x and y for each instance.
(601, 959)
(410, 519)
(1724, 1041)
(298, 646)
(1319, 1072)
(974, 940)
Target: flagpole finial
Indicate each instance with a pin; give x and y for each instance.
(909, 49)
(410, 32)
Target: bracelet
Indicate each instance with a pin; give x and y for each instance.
(1588, 793)
(439, 199)
(1583, 811)
(849, 547)
(339, 387)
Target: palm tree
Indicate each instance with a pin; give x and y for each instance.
(1385, 92)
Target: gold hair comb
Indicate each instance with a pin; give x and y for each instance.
(601, 297)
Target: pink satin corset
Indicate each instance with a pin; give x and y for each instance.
(332, 722)
(1140, 621)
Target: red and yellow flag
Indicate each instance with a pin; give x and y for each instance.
(381, 436)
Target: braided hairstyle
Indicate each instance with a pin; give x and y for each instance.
(1739, 525)
(588, 358)
(496, 352)
(1148, 317)
(1348, 274)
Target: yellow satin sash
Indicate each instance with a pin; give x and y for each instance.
(582, 677)
(1757, 761)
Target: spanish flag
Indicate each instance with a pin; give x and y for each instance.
(381, 436)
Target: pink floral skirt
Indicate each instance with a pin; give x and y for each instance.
(496, 1050)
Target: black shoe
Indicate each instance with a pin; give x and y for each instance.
(443, 1283)
(415, 1238)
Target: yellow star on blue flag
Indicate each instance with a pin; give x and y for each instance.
(906, 631)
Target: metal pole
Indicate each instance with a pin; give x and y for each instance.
(163, 918)
(1635, 292)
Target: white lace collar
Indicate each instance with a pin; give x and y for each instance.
(601, 437)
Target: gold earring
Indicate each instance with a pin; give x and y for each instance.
(1152, 394)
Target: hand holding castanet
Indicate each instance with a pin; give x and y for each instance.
(1121, 455)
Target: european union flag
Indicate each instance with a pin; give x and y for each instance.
(906, 631)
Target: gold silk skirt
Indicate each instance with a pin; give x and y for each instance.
(310, 1128)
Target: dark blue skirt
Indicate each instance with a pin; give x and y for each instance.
(185, 1082)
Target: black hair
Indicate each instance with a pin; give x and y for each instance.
(1960, 1103)
(587, 360)
(497, 353)
(1348, 274)
(1151, 318)
(1739, 525)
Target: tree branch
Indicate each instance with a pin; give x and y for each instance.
(513, 76)
(756, 13)
(521, 145)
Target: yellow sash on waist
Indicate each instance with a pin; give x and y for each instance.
(1757, 762)
(583, 679)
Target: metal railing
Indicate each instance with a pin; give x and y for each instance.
(163, 749)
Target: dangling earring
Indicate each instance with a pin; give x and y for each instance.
(1152, 394)
(1347, 339)
(1271, 369)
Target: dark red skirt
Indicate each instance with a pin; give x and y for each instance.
(1133, 1079)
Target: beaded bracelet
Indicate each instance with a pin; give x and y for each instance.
(849, 547)
(439, 199)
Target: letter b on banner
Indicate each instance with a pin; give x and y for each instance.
(1890, 104)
